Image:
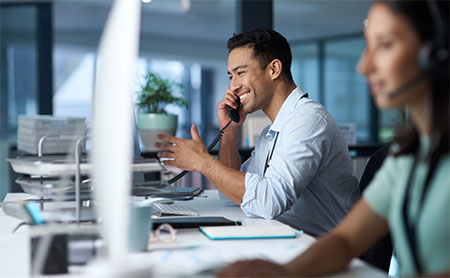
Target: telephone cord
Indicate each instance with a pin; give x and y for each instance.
(210, 147)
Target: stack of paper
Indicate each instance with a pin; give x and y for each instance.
(32, 128)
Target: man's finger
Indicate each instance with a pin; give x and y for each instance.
(166, 155)
(194, 133)
(166, 147)
(232, 102)
(168, 162)
(229, 92)
(167, 138)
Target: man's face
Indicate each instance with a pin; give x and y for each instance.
(248, 80)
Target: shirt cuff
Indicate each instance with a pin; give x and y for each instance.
(251, 182)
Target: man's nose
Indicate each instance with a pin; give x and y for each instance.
(235, 86)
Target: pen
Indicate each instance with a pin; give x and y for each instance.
(34, 213)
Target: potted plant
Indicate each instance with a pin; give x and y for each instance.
(153, 98)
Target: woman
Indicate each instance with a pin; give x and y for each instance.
(410, 194)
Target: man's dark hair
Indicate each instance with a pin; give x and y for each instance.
(267, 45)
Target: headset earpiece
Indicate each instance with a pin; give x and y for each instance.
(433, 55)
(425, 57)
(438, 47)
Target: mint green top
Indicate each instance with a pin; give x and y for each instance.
(385, 195)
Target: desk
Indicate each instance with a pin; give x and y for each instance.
(14, 248)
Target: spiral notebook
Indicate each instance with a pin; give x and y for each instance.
(250, 232)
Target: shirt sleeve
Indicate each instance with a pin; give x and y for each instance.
(378, 193)
(297, 157)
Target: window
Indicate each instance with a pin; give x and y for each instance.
(18, 79)
(18, 66)
(346, 94)
(305, 68)
(175, 72)
(337, 86)
(325, 54)
(73, 81)
(388, 120)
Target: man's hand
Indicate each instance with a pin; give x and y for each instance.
(188, 155)
(254, 268)
(230, 100)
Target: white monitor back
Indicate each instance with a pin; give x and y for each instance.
(113, 122)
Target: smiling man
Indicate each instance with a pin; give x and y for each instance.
(300, 171)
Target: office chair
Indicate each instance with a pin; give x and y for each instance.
(379, 255)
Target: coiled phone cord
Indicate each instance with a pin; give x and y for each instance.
(210, 147)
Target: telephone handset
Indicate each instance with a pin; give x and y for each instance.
(234, 116)
(234, 113)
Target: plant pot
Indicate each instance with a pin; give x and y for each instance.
(151, 124)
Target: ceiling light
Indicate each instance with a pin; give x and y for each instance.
(146, 1)
(186, 5)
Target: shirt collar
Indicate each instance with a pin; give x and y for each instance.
(289, 104)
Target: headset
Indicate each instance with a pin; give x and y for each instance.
(433, 55)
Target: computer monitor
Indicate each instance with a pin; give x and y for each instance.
(113, 122)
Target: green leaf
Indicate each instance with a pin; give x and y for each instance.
(157, 93)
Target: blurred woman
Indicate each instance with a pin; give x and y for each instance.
(406, 66)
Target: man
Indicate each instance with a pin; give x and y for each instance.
(300, 171)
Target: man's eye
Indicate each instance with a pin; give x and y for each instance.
(240, 72)
(385, 45)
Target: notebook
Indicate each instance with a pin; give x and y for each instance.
(193, 222)
(250, 232)
(182, 192)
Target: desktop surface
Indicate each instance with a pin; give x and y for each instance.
(190, 254)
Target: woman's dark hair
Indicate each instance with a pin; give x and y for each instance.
(419, 14)
(267, 45)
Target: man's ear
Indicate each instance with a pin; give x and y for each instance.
(275, 67)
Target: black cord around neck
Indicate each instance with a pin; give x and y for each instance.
(411, 227)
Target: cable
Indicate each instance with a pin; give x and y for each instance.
(210, 147)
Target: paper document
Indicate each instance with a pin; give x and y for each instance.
(249, 232)
(212, 254)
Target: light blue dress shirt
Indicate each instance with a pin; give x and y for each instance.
(309, 182)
